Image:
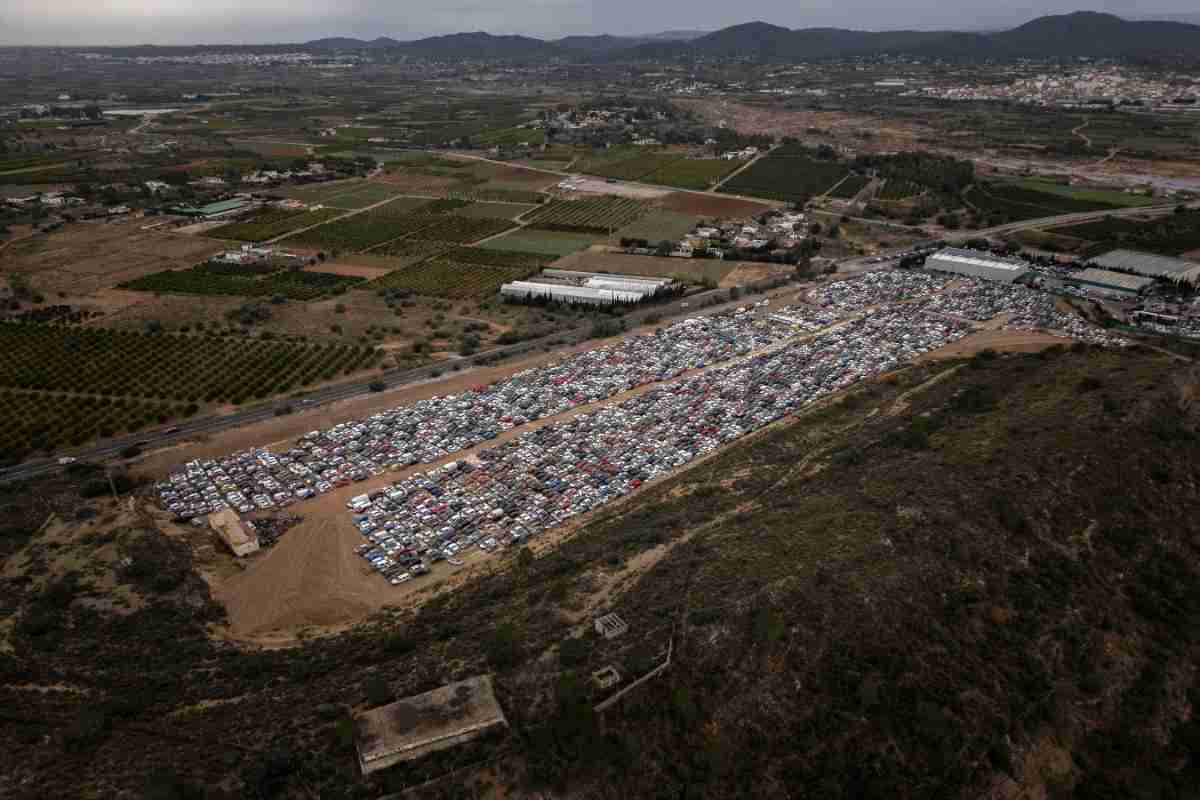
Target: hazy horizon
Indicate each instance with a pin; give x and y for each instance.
(169, 22)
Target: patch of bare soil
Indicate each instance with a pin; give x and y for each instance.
(350, 270)
(748, 273)
(712, 205)
(1000, 341)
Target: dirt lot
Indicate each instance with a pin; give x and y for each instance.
(89, 256)
(595, 186)
(349, 268)
(1001, 341)
(312, 578)
(711, 205)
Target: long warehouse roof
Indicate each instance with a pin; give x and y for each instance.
(977, 259)
(1177, 269)
(1118, 280)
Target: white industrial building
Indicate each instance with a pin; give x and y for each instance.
(566, 293)
(589, 288)
(977, 264)
(1178, 270)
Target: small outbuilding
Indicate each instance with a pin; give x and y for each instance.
(229, 528)
(436, 720)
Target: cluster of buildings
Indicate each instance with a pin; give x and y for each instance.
(1084, 88)
(315, 169)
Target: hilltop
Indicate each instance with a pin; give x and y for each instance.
(967, 579)
(1080, 34)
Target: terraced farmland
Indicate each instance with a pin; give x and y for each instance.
(586, 216)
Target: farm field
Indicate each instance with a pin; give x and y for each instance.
(899, 189)
(586, 216)
(504, 193)
(659, 225)
(495, 210)
(272, 222)
(1171, 235)
(850, 187)
(40, 421)
(711, 205)
(411, 248)
(691, 173)
(458, 229)
(635, 168)
(350, 195)
(91, 256)
(213, 278)
(1082, 193)
(544, 242)
(374, 227)
(193, 369)
(271, 149)
(1005, 202)
(457, 281)
(792, 178)
(694, 270)
(498, 258)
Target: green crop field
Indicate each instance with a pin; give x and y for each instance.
(371, 228)
(36, 421)
(133, 379)
(692, 173)
(495, 210)
(1171, 235)
(1006, 202)
(899, 189)
(498, 258)
(791, 178)
(586, 216)
(850, 187)
(550, 243)
(1091, 194)
(412, 249)
(658, 226)
(272, 222)
(454, 280)
(463, 230)
(350, 195)
(633, 169)
(217, 279)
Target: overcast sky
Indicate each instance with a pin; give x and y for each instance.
(88, 22)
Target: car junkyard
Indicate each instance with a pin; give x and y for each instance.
(749, 368)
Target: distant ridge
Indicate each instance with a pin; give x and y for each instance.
(1080, 34)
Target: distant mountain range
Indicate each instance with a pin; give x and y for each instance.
(1081, 34)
